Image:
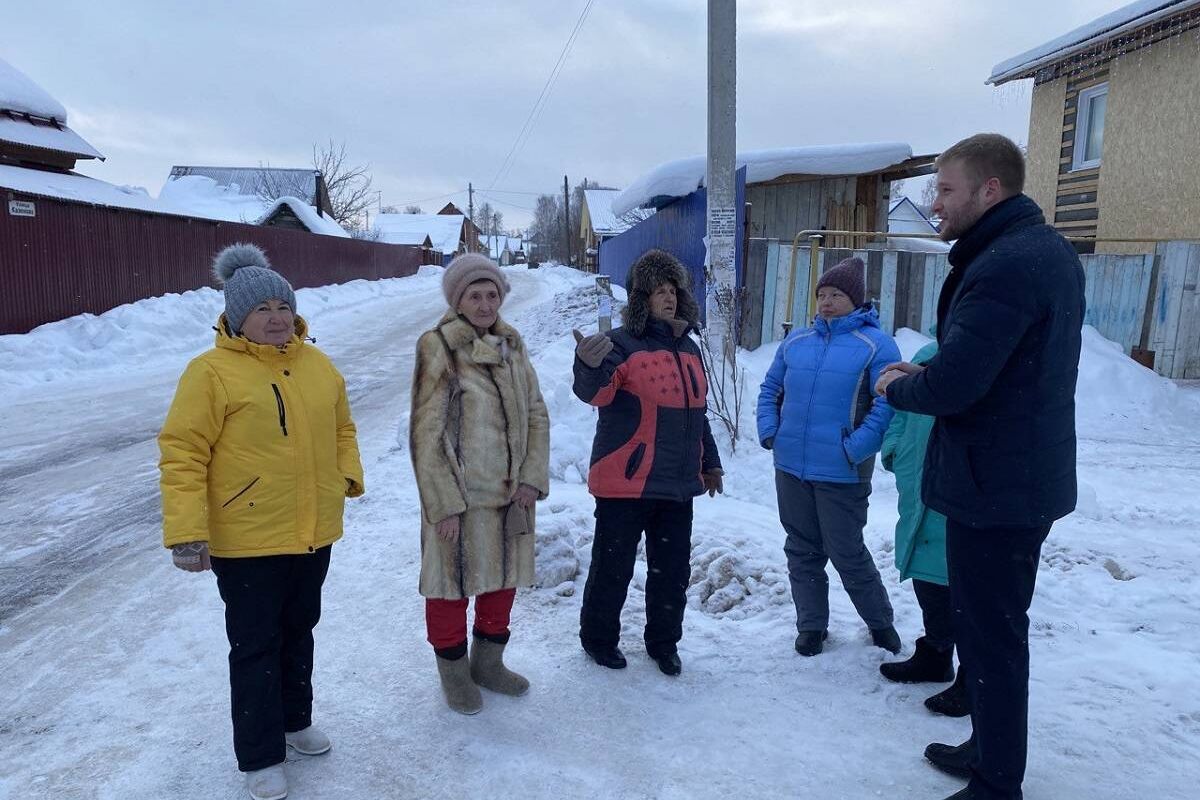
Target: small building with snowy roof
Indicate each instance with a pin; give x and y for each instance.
(33, 126)
(294, 213)
(1113, 145)
(597, 222)
(792, 189)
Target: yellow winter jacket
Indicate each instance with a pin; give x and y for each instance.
(258, 450)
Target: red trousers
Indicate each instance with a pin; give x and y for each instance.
(446, 620)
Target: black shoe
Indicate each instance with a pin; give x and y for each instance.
(965, 793)
(927, 665)
(668, 664)
(810, 643)
(952, 702)
(887, 638)
(952, 759)
(610, 657)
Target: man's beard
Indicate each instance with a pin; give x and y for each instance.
(962, 222)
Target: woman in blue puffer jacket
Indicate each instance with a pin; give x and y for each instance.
(817, 411)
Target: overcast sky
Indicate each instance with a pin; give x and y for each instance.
(433, 94)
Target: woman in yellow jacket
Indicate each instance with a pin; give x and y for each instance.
(258, 455)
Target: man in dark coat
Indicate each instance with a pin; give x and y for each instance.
(653, 452)
(1001, 459)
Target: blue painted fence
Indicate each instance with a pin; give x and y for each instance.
(678, 228)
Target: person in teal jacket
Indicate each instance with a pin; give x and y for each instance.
(921, 555)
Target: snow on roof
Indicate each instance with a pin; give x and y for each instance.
(1123, 20)
(315, 222)
(19, 96)
(19, 93)
(604, 221)
(684, 176)
(45, 135)
(273, 181)
(200, 196)
(69, 186)
(443, 230)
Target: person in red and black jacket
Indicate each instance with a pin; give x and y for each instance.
(653, 453)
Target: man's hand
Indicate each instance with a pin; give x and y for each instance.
(191, 556)
(713, 483)
(894, 372)
(447, 529)
(591, 350)
(526, 496)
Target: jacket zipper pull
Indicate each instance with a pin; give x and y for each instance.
(282, 409)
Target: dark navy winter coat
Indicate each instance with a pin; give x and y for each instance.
(1002, 385)
(653, 438)
(816, 401)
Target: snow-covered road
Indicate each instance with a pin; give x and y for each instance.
(114, 663)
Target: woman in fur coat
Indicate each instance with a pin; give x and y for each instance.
(653, 453)
(480, 444)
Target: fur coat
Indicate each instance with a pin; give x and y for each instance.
(478, 430)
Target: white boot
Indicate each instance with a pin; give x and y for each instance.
(267, 784)
(310, 741)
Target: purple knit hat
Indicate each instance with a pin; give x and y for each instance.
(847, 277)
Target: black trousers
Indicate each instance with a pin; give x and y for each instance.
(272, 604)
(934, 600)
(992, 576)
(619, 527)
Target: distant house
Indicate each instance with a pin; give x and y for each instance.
(506, 250)
(473, 230)
(267, 183)
(1113, 144)
(33, 127)
(905, 217)
(447, 234)
(598, 222)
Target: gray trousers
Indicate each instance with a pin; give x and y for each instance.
(824, 522)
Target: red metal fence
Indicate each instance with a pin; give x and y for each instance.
(70, 258)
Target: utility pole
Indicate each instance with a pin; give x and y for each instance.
(720, 178)
(567, 217)
(470, 215)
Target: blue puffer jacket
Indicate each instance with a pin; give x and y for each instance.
(817, 402)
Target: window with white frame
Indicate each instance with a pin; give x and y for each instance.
(1089, 127)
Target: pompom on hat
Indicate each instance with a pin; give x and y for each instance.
(245, 275)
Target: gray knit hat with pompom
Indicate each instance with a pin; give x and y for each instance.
(245, 274)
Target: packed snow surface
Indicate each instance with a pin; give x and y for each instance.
(114, 663)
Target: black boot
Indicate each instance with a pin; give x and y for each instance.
(610, 657)
(668, 663)
(927, 665)
(810, 643)
(953, 702)
(887, 638)
(952, 759)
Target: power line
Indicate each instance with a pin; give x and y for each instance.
(427, 199)
(530, 120)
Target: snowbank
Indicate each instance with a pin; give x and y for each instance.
(686, 175)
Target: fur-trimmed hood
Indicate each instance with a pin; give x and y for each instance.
(653, 269)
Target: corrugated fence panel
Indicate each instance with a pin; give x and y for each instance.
(679, 229)
(73, 258)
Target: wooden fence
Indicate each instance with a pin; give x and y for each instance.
(1146, 301)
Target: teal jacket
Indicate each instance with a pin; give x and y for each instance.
(921, 532)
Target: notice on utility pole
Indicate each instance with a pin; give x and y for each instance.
(722, 222)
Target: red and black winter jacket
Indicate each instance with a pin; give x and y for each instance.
(653, 439)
